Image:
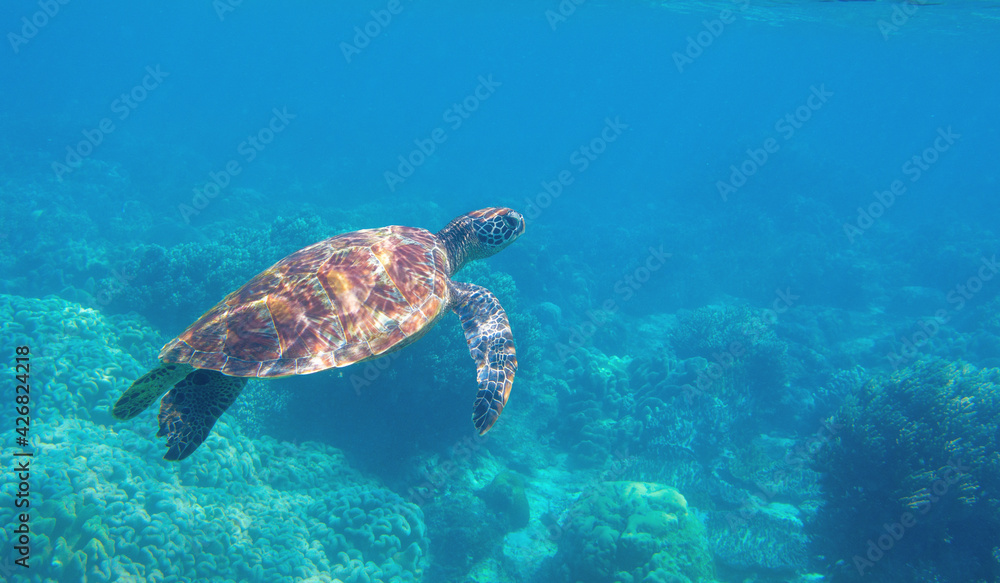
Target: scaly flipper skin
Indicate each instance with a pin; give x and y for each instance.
(191, 408)
(491, 345)
(148, 388)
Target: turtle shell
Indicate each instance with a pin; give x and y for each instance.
(343, 300)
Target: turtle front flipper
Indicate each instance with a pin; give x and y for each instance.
(148, 388)
(491, 345)
(191, 408)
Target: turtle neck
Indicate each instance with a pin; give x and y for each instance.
(459, 240)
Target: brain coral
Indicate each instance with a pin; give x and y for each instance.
(84, 358)
(912, 477)
(105, 507)
(632, 532)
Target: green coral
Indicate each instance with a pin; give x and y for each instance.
(632, 532)
(920, 444)
(505, 496)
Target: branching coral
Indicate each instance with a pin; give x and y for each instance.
(737, 340)
(916, 458)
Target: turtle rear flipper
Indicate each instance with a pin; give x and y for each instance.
(191, 408)
(491, 345)
(148, 388)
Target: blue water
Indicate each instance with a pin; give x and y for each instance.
(758, 267)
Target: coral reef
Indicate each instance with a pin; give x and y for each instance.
(107, 508)
(715, 401)
(243, 511)
(768, 539)
(632, 532)
(87, 359)
(755, 488)
(597, 407)
(505, 496)
(464, 532)
(259, 407)
(912, 477)
(373, 534)
(742, 346)
(64, 231)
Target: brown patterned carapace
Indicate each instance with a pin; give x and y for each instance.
(343, 300)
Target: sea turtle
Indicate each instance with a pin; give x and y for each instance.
(350, 298)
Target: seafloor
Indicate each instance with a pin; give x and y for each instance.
(814, 429)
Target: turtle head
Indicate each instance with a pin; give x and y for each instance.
(496, 228)
(480, 234)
